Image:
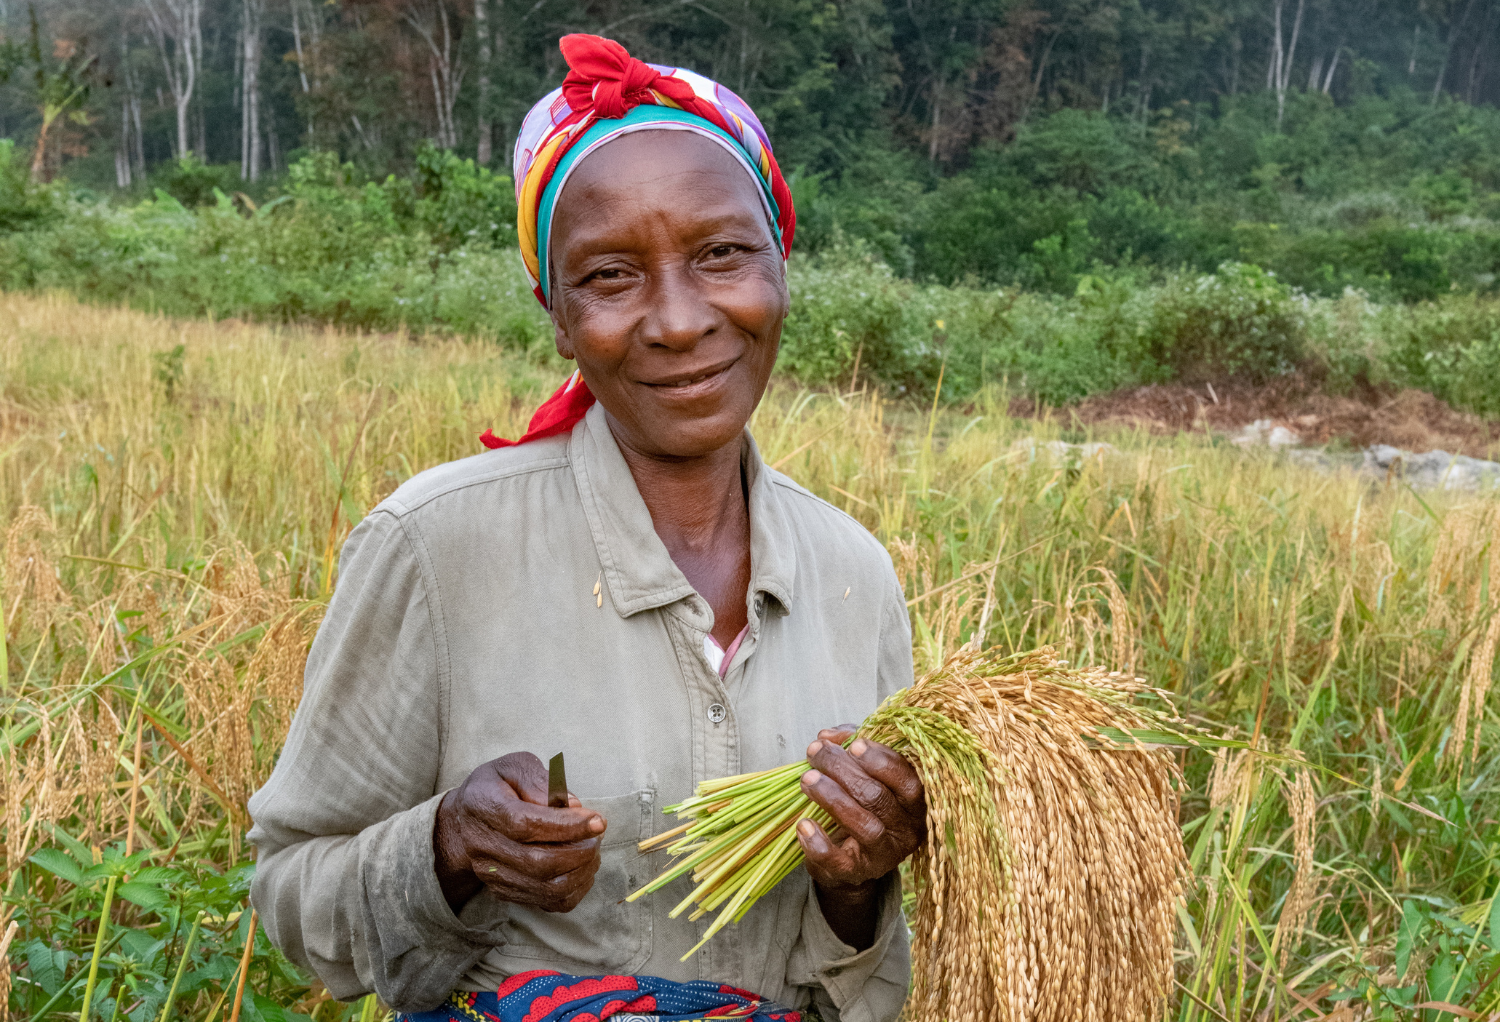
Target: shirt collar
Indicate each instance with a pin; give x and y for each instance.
(638, 571)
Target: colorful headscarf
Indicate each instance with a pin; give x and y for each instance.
(608, 93)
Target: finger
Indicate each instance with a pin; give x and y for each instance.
(559, 894)
(863, 825)
(836, 762)
(536, 824)
(525, 773)
(542, 862)
(824, 856)
(838, 735)
(888, 767)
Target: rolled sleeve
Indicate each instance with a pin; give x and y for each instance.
(345, 883)
(849, 985)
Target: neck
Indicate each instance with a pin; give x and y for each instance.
(695, 503)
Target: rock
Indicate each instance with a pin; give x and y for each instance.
(1432, 470)
(1265, 432)
(1061, 450)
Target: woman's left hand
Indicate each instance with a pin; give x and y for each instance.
(876, 798)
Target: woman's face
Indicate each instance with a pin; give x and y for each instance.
(669, 290)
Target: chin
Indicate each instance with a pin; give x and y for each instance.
(698, 437)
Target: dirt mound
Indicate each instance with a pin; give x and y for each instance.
(1410, 419)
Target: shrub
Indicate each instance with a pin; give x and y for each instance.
(23, 205)
(1238, 321)
(192, 182)
(1451, 348)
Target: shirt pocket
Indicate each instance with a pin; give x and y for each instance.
(605, 933)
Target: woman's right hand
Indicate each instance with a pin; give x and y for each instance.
(496, 830)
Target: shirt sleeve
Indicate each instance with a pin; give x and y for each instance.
(869, 985)
(344, 880)
(849, 985)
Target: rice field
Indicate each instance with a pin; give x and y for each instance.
(173, 496)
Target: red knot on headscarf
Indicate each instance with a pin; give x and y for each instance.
(602, 75)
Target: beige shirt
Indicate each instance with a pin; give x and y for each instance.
(466, 626)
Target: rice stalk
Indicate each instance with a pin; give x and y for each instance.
(1053, 869)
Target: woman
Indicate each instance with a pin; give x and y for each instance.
(628, 583)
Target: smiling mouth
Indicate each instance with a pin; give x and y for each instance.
(683, 382)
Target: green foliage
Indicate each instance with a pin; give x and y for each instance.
(333, 247)
(1239, 321)
(1451, 348)
(23, 205)
(61, 893)
(1093, 252)
(194, 183)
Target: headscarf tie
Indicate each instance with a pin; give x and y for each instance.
(601, 74)
(608, 93)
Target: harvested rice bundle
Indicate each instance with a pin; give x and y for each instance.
(1053, 867)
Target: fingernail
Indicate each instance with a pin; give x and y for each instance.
(859, 747)
(812, 777)
(813, 749)
(597, 825)
(806, 829)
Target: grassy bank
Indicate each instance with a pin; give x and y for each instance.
(175, 493)
(435, 252)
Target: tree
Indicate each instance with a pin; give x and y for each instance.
(437, 25)
(177, 28)
(485, 127)
(1283, 54)
(62, 86)
(251, 34)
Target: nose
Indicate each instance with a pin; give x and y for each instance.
(680, 310)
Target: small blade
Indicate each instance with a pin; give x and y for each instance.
(557, 783)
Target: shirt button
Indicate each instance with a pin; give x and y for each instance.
(717, 713)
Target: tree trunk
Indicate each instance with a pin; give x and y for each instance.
(177, 28)
(937, 97)
(1328, 78)
(1471, 90)
(39, 155)
(1453, 30)
(482, 25)
(250, 91)
(130, 125)
(1280, 70)
(431, 21)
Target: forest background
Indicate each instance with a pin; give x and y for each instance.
(1061, 197)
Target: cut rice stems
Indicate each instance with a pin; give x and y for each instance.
(1053, 868)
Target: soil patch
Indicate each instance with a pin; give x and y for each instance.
(1410, 419)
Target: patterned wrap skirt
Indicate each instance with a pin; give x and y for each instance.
(545, 996)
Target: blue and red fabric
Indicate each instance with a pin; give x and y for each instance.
(545, 996)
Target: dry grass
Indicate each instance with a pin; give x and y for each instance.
(1051, 893)
(167, 549)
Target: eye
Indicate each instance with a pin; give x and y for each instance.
(610, 273)
(723, 250)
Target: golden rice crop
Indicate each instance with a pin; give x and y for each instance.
(1053, 868)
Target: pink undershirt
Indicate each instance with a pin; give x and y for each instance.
(719, 657)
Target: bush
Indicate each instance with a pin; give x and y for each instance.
(1451, 348)
(1239, 321)
(192, 182)
(23, 205)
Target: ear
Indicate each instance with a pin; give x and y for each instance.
(560, 335)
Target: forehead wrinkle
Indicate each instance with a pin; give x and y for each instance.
(628, 173)
(616, 213)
